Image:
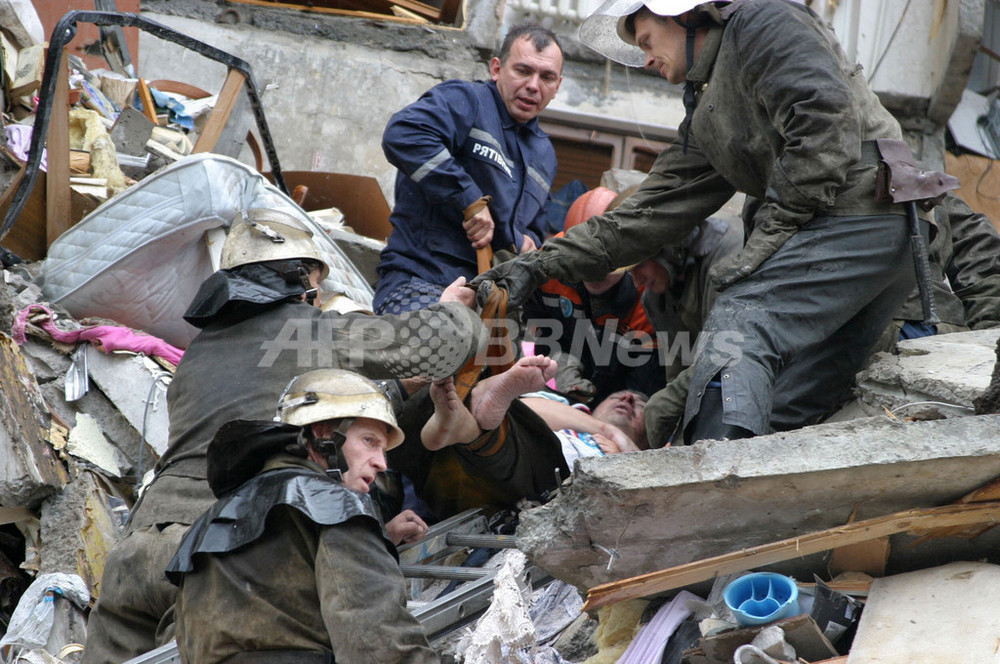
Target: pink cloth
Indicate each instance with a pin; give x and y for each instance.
(106, 337)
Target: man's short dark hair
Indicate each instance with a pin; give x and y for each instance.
(540, 37)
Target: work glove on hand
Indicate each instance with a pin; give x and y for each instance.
(520, 277)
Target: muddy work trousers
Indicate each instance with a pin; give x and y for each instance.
(786, 342)
(135, 611)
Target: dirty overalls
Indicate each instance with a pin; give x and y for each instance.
(289, 566)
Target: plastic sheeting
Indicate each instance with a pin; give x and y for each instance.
(33, 619)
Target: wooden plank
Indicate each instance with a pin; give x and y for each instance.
(179, 88)
(868, 557)
(449, 11)
(24, 415)
(220, 114)
(15, 514)
(801, 632)
(358, 197)
(58, 204)
(980, 178)
(148, 107)
(27, 237)
(986, 493)
(775, 552)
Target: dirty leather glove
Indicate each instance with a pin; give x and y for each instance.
(773, 226)
(520, 277)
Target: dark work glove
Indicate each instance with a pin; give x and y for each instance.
(520, 277)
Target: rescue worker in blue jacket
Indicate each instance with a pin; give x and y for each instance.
(475, 171)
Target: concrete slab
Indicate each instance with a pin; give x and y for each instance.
(931, 377)
(29, 469)
(137, 386)
(945, 614)
(667, 507)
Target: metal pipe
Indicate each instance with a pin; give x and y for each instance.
(441, 572)
(482, 540)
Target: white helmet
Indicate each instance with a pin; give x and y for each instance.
(337, 394)
(264, 234)
(604, 31)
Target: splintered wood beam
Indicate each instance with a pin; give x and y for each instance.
(988, 492)
(220, 114)
(795, 547)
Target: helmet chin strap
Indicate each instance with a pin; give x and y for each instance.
(295, 272)
(332, 449)
(689, 100)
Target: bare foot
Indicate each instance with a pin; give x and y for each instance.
(492, 397)
(451, 422)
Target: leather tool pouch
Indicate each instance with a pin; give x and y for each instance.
(900, 181)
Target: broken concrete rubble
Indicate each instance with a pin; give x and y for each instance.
(936, 376)
(29, 470)
(79, 527)
(662, 508)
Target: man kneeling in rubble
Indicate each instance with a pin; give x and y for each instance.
(291, 565)
(270, 270)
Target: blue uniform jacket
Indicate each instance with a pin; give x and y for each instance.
(452, 146)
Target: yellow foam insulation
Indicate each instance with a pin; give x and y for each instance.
(87, 133)
(104, 163)
(618, 625)
(84, 127)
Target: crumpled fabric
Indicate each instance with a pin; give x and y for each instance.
(19, 143)
(106, 338)
(648, 644)
(506, 626)
(665, 409)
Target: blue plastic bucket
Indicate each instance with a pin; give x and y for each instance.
(762, 597)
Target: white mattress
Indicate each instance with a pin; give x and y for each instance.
(140, 257)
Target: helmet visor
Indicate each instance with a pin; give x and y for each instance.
(604, 31)
(601, 32)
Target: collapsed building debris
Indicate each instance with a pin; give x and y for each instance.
(630, 514)
(80, 428)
